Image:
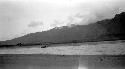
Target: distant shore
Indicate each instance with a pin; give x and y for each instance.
(88, 48)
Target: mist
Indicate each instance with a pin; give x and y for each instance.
(20, 17)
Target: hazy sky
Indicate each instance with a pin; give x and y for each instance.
(19, 17)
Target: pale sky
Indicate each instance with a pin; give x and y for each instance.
(20, 17)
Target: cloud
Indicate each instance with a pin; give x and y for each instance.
(76, 19)
(35, 24)
(93, 12)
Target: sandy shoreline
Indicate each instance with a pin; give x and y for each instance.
(65, 49)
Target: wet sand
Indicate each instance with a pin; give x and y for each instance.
(37, 61)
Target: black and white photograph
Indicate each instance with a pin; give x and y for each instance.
(62, 34)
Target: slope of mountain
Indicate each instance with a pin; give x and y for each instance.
(108, 29)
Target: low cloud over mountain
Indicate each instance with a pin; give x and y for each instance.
(30, 16)
(108, 29)
(35, 24)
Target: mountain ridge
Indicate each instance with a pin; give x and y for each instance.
(108, 29)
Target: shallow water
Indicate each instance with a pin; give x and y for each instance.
(37, 61)
(102, 62)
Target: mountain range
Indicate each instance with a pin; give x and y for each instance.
(104, 30)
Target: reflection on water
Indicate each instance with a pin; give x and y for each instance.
(61, 62)
(82, 67)
(38, 62)
(102, 62)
